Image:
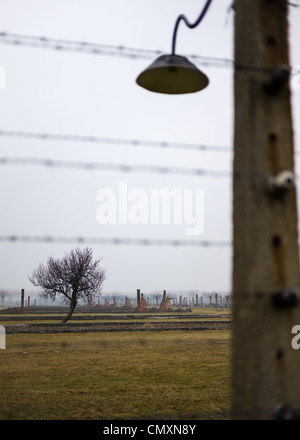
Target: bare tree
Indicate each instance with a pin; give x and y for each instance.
(74, 276)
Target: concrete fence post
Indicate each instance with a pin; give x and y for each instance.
(22, 300)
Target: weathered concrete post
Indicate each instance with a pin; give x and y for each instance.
(266, 287)
(138, 300)
(22, 300)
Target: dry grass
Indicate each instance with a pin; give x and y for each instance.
(115, 375)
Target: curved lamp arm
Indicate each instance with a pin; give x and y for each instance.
(190, 25)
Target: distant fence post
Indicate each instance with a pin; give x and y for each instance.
(22, 300)
(138, 300)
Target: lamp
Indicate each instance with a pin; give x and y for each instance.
(175, 74)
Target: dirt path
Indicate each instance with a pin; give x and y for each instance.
(116, 327)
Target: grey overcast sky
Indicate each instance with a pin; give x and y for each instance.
(88, 94)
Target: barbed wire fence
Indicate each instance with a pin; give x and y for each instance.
(83, 47)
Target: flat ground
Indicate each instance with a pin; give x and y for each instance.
(171, 374)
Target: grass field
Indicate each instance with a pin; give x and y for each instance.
(175, 375)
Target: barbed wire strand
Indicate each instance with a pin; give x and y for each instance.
(112, 141)
(114, 50)
(98, 49)
(127, 168)
(116, 141)
(99, 166)
(114, 241)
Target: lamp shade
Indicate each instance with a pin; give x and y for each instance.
(172, 74)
